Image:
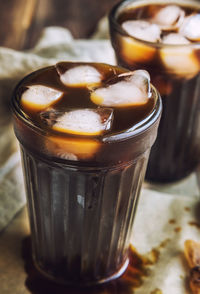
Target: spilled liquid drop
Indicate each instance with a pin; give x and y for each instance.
(194, 224)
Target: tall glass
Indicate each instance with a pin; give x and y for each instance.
(81, 213)
(174, 71)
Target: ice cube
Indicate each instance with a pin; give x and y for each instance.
(71, 148)
(175, 38)
(130, 89)
(134, 51)
(39, 97)
(85, 121)
(83, 75)
(143, 73)
(191, 27)
(66, 155)
(142, 30)
(169, 17)
(180, 60)
(141, 78)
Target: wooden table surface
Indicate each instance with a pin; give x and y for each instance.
(21, 21)
(79, 16)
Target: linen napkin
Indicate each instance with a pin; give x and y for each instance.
(163, 223)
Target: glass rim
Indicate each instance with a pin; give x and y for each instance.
(125, 3)
(136, 130)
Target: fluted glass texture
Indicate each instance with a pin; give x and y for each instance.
(81, 218)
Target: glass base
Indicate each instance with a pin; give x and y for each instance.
(82, 283)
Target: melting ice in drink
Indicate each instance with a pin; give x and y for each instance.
(80, 121)
(190, 27)
(79, 76)
(163, 24)
(130, 89)
(142, 29)
(39, 97)
(89, 101)
(175, 38)
(169, 17)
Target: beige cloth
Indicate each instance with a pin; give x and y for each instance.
(162, 217)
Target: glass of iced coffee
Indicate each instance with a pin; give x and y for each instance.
(85, 132)
(163, 37)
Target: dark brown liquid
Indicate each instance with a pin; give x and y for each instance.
(126, 284)
(176, 152)
(79, 97)
(57, 144)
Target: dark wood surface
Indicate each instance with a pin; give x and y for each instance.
(80, 16)
(21, 21)
(16, 17)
